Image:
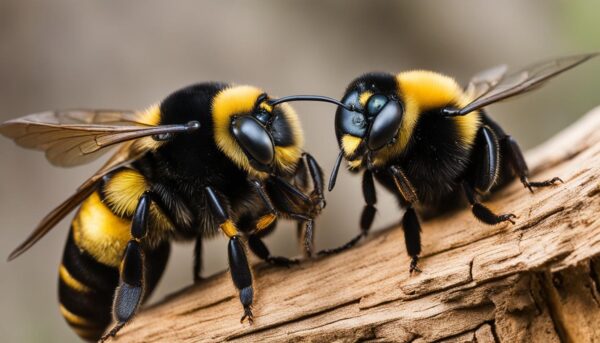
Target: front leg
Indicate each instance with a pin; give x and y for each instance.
(292, 202)
(410, 221)
(263, 224)
(367, 217)
(238, 262)
(316, 175)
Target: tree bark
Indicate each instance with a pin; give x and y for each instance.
(534, 281)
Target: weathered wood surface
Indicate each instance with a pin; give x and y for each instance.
(535, 281)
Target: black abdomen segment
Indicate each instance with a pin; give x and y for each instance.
(86, 287)
(85, 291)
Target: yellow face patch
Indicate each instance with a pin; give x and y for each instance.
(240, 100)
(350, 144)
(364, 97)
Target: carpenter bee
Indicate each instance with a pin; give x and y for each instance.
(427, 140)
(210, 157)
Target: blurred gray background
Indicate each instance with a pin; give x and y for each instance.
(108, 54)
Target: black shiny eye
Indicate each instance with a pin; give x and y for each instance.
(350, 122)
(376, 103)
(254, 140)
(263, 116)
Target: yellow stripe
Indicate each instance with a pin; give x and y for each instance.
(229, 228)
(123, 190)
(100, 232)
(74, 319)
(71, 281)
(265, 221)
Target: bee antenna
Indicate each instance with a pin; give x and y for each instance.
(312, 98)
(334, 172)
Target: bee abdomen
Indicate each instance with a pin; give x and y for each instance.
(86, 289)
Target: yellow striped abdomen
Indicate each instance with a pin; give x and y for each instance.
(89, 273)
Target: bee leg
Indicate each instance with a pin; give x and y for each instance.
(515, 156)
(129, 293)
(198, 259)
(268, 219)
(259, 248)
(366, 218)
(410, 221)
(316, 175)
(238, 262)
(287, 207)
(412, 238)
(483, 213)
(486, 158)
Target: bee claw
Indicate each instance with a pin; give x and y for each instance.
(414, 269)
(247, 314)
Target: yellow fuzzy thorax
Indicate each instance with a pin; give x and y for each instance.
(421, 91)
(240, 100)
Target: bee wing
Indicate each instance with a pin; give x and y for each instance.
(75, 137)
(71, 138)
(120, 159)
(484, 81)
(523, 81)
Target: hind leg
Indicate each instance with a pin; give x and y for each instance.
(517, 161)
(132, 273)
(510, 150)
(483, 174)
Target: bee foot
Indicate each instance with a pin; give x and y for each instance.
(247, 314)
(414, 268)
(282, 261)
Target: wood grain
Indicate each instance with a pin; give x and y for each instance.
(534, 281)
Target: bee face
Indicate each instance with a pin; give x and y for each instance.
(258, 137)
(377, 120)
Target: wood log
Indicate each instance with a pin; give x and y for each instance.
(536, 281)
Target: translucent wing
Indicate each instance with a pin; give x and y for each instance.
(71, 138)
(125, 155)
(75, 137)
(484, 81)
(521, 82)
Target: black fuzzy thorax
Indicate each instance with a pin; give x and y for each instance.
(181, 169)
(435, 160)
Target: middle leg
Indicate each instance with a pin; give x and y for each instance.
(367, 216)
(238, 262)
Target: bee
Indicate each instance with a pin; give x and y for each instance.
(210, 157)
(429, 141)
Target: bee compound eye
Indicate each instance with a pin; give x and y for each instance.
(385, 126)
(254, 139)
(376, 103)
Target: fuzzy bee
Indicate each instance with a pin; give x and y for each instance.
(210, 157)
(429, 141)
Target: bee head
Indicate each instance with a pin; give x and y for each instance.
(375, 118)
(259, 137)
